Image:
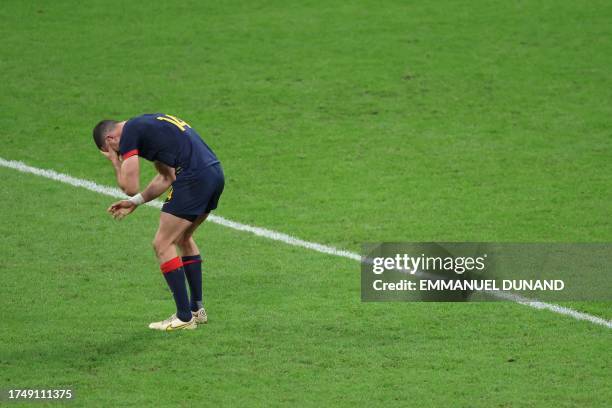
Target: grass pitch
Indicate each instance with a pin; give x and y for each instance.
(338, 123)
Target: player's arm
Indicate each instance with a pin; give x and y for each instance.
(160, 183)
(127, 172)
(128, 176)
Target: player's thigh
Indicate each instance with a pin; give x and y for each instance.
(186, 236)
(196, 223)
(170, 229)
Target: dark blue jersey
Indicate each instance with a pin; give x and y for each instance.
(167, 139)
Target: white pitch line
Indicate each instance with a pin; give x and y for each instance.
(536, 304)
(275, 235)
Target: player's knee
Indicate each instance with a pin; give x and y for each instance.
(155, 246)
(184, 241)
(179, 241)
(159, 246)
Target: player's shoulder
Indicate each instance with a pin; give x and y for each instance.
(143, 120)
(140, 124)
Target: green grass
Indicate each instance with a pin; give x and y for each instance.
(338, 123)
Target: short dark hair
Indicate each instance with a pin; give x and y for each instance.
(100, 131)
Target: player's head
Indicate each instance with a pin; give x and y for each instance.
(107, 134)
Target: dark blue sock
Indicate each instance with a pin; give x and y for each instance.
(193, 272)
(175, 276)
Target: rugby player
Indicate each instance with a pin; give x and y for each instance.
(192, 173)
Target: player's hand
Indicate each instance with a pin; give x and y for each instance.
(111, 155)
(121, 208)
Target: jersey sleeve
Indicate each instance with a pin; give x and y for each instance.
(128, 146)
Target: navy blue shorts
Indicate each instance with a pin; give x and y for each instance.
(195, 194)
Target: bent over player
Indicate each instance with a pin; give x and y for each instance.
(187, 166)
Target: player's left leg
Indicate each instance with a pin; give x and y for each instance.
(192, 263)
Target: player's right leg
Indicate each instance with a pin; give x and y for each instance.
(170, 228)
